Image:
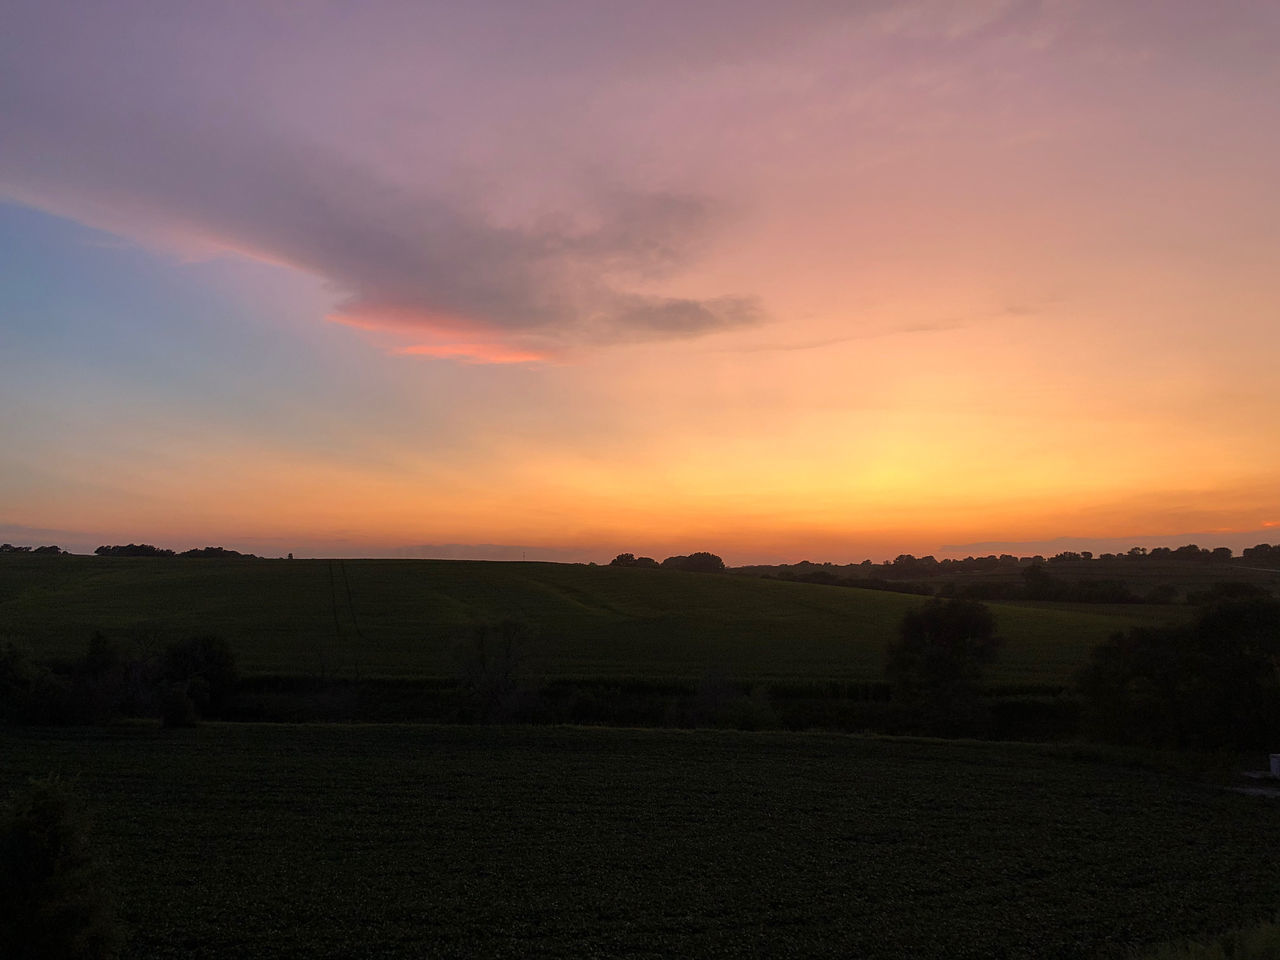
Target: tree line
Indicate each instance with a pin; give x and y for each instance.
(701, 562)
(147, 550)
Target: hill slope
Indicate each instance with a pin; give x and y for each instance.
(404, 618)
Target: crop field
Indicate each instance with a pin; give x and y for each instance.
(403, 618)
(347, 841)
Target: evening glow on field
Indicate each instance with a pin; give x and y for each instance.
(559, 280)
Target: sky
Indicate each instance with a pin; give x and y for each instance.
(558, 280)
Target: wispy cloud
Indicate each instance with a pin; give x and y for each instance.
(151, 148)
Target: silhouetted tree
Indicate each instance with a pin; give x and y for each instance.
(936, 662)
(133, 550)
(1038, 584)
(701, 562)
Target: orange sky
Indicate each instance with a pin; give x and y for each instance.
(820, 283)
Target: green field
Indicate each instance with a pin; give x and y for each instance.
(403, 618)
(350, 841)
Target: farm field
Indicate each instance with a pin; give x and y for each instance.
(349, 841)
(403, 618)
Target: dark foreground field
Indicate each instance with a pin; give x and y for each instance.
(347, 841)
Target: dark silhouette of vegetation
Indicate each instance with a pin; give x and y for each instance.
(1162, 575)
(935, 664)
(631, 560)
(1264, 554)
(188, 679)
(493, 664)
(205, 668)
(51, 550)
(218, 553)
(1213, 684)
(147, 550)
(55, 898)
(701, 562)
(133, 550)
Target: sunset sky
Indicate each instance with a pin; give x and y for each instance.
(783, 281)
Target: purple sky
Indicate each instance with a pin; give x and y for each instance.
(810, 279)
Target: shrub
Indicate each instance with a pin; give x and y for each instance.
(936, 662)
(206, 670)
(1210, 685)
(56, 900)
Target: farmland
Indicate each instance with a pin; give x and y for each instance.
(329, 841)
(403, 618)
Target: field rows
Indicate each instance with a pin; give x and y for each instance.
(406, 618)
(330, 841)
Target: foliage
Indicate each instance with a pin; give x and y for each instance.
(936, 663)
(55, 901)
(631, 560)
(205, 668)
(700, 562)
(133, 550)
(217, 553)
(1212, 684)
(188, 678)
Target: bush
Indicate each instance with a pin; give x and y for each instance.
(1211, 685)
(205, 669)
(935, 664)
(56, 901)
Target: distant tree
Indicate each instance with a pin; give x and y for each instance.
(1220, 553)
(936, 662)
(133, 550)
(55, 897)
(217, 553)
(1038, 584)
(631, 560)
(701, 562)
(1263, 553)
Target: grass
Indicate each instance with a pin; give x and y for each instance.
(336, 841)
(402, 618)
